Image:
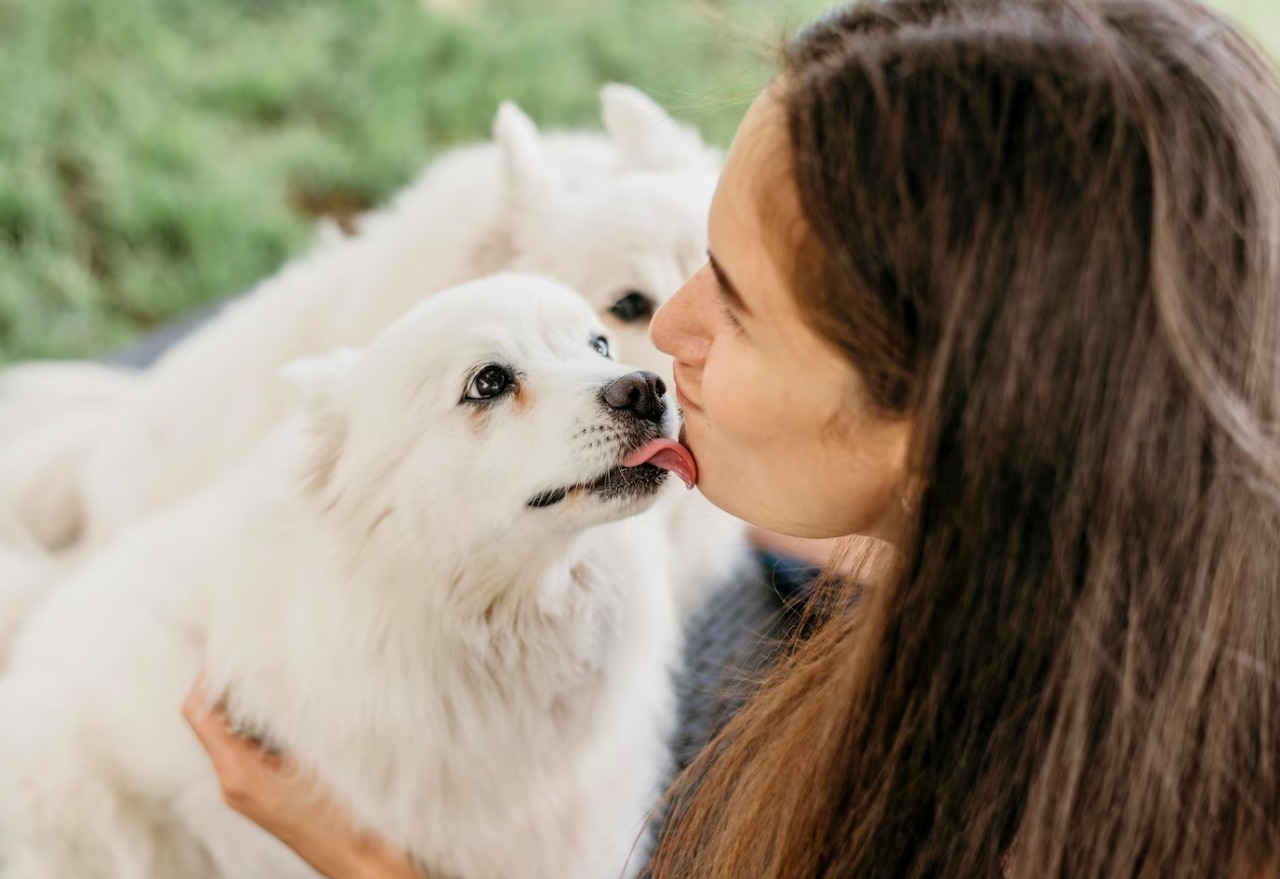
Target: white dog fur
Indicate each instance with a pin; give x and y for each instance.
(483, 682)
(24, 579)
(605, 215)
(51, 415)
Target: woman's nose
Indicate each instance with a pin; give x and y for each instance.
(681, 327)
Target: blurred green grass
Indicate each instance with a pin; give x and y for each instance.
(159, 154)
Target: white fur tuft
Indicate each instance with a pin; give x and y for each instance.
(531, 177)
(649, 137)
(320, 379)
(51, 414)
(24, 578)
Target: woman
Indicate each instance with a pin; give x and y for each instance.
(997, 281)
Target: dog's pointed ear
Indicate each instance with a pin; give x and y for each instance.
(321, 382)
(649, 138)
(530, 176)
(319, 379)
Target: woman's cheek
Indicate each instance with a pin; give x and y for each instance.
(742, 397)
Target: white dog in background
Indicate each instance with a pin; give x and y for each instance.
(426, 587)
(621, 218)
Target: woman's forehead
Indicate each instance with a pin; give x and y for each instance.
(760, 155)
(755, 219)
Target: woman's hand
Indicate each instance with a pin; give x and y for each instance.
(269, 790)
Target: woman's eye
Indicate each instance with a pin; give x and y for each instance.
(632, 307)
(490, 382)
(601, 344)
(730, 315)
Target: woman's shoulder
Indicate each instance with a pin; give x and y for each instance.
(731, 643)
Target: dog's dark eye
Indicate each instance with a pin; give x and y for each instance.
(633, 306)
(601, 344)
(490, 382)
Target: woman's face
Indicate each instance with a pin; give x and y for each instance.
(777, 420)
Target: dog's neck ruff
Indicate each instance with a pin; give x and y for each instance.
(434, 578)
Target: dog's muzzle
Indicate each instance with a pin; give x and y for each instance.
(638, 399)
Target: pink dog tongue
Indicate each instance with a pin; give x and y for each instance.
(668, 455)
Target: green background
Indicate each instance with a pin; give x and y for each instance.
(160, 154)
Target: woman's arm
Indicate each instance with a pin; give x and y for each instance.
(269, 790)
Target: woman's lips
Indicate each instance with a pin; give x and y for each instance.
(685, 402)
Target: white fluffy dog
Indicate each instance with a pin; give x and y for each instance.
(621, 218)
(603, 215)
(426, 587)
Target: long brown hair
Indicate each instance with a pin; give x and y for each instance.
(1050, 231)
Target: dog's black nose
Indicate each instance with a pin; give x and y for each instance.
(639, 392)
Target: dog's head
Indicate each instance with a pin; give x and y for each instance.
(492, 411)
(626, 240)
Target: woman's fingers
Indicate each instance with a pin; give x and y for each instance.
(197, 711)
(268, 790)
(239, 763)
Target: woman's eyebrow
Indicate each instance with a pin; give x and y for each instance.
(726, 287)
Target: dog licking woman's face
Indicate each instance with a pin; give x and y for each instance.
(491, 412)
